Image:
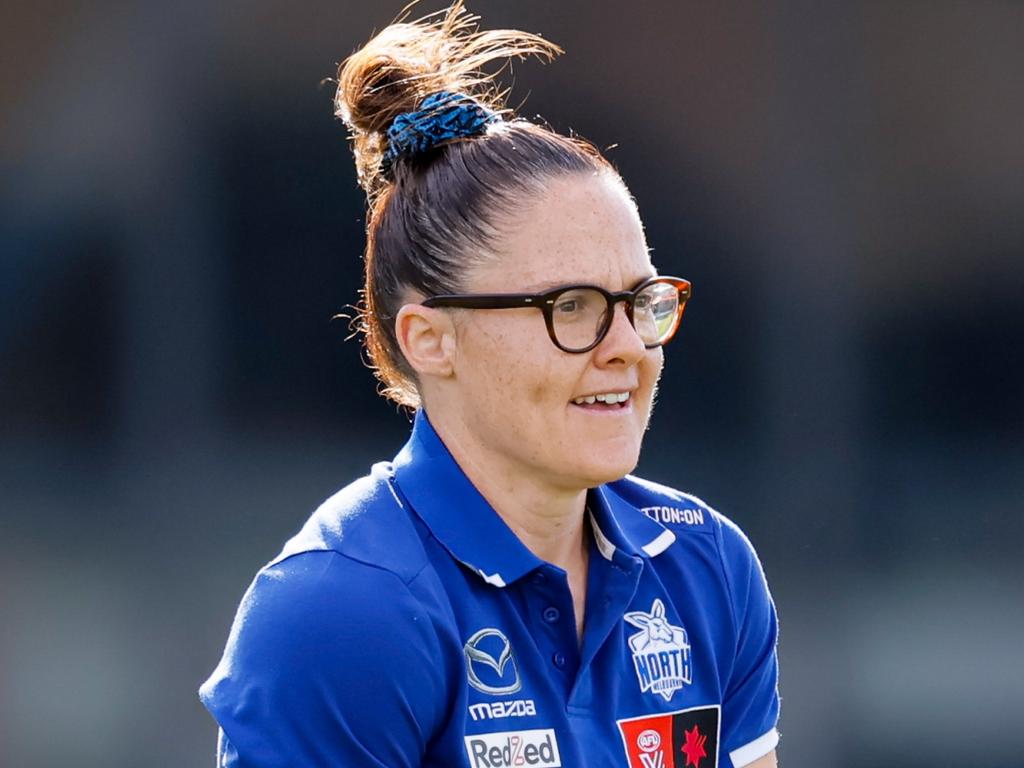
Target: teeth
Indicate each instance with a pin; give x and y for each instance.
(608, 397)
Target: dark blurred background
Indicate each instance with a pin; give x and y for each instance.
(843, 182)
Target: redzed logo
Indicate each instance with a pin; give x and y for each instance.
(514, 749)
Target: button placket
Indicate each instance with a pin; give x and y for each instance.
(550, 605)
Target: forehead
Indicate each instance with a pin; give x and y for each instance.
(580, 229)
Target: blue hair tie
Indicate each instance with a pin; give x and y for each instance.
(441, 116)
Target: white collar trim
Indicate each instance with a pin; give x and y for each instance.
(660, 544)
(494, 578)
(604, 545)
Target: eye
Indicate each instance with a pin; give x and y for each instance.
(578, 304)
(643, 301)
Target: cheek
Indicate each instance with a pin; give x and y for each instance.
(547, 376)
(653, 364)
(520, 364)
(650, 373)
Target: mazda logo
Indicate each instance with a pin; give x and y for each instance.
(486, 650)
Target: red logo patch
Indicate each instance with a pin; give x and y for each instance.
(686, 738)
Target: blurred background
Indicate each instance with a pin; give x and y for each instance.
(843, 182)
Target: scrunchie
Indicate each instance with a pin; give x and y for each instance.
(441, 116)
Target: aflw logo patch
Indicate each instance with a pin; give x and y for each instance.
(661, 652)
(684, 739)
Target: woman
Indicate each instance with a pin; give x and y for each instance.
(502, 593)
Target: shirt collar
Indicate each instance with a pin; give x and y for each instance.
(474, 534)
(455, 512)
(619, 526)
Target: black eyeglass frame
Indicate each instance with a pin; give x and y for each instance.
(546, 302)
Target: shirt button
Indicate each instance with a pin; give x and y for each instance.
(539, 577)
(551, 614)
(558, 660)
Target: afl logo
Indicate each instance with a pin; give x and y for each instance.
(490, 666)
(649, 740)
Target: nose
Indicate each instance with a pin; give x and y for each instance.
(621, 345)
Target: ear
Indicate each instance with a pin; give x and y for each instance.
(638, 619)
(426, 337)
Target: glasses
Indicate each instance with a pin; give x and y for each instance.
(578, 316)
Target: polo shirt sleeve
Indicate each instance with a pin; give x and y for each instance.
(329, 662)
(750, 706)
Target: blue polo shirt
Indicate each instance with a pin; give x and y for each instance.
(406, 626)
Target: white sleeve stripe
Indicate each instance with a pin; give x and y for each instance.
(759, 747)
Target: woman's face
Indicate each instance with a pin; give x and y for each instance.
(518, 394)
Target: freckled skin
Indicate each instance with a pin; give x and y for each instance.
(513, 388)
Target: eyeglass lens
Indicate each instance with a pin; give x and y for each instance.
(578, 315)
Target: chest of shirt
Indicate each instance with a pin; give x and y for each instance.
(653, 658)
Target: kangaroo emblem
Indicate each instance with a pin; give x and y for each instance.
(661, 652)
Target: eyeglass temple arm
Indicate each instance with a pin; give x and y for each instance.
(487, 301)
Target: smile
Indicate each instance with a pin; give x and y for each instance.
(608, 398)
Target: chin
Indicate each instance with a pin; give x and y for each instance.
(608, 469)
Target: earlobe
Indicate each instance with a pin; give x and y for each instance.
(426, 337)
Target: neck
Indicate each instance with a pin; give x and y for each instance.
(547, 518)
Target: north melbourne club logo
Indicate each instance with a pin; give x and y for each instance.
(687, 738)
(661, 652)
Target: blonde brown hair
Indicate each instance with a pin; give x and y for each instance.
(433, 215)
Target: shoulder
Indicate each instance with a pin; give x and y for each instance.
(356, 566)
(320, 617)
(347, 633)
(367, 523)
(324, 599)
(357, 561)
(692, 520)
(676, 510)
(325, 649)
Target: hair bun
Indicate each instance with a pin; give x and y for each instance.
(407, 62)
(441, 117)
